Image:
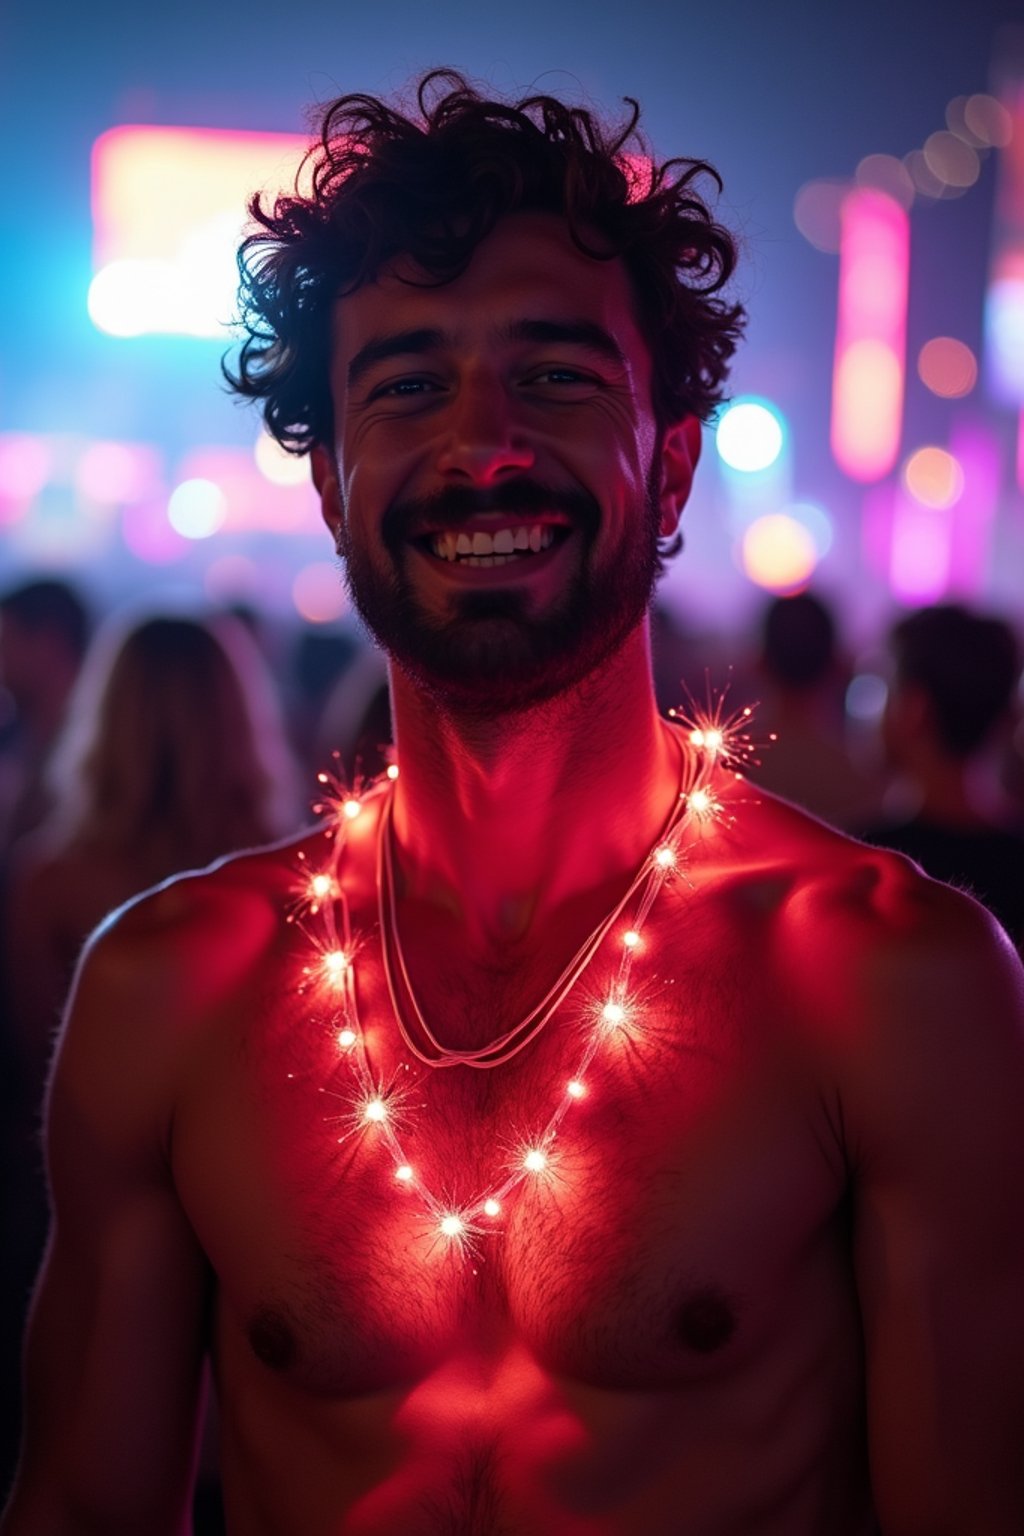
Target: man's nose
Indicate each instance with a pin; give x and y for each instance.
(484, 442)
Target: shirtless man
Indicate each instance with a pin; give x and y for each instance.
(729, 1243)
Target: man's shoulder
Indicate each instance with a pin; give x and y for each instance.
(162, 975)
(872, 944)
(830, 876)
(248, 881)
(851, 914)
(187, 940)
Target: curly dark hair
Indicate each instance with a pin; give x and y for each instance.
(385, 184)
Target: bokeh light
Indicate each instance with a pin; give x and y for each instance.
(110, 473)
(232, 579)
(816, 213)
(947, 367)
(951, 161)
(817, 522)
(750, 435)
(919, 557)
(866, 694)
(888, 174)
(168, 209)
(867, 396)
(988, 120)
(1004, 327)
(196, 508)
(26, 463)
(149, 535)
(867, 382)
(926, 183)
(934, 477)
(956, 121)
(127, 298)
(318, 593)
(979, 450)
(778, 553)
(278, 467)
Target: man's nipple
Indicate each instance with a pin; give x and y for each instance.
(272, 1339)
(706, 1321)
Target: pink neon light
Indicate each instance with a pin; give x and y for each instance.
(870, 354)
(978, 450)
(920, 557)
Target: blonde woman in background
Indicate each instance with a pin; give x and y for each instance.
(174, 755)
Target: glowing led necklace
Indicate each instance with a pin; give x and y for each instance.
(509, 1044)
(378, 1107)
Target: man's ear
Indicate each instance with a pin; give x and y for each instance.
(324, 469)
(680, 451)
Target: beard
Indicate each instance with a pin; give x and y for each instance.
(491, 655)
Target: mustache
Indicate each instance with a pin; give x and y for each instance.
(456, 504)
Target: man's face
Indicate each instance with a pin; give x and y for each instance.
(497, 485)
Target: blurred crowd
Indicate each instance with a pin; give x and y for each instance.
(157, 742)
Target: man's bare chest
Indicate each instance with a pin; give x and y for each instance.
(683, 1200)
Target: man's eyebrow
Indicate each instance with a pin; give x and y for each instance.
(581, 333)
(398, 344)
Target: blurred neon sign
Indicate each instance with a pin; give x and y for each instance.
(169, 208)
(868, 376)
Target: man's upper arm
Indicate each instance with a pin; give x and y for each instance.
(932, 1087)
(115, 1343)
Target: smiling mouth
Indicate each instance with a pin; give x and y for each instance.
(518, 542)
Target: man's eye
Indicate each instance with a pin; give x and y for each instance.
(402, 388)
(561, 376)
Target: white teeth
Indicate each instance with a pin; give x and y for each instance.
(485, 548)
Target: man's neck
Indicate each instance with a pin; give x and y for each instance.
(499, 821)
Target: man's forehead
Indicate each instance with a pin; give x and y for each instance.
(526, 269)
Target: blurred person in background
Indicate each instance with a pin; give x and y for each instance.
(319, 659)
(950, 713)
(44, 632)
(803, 682)
(355, 721)
(173, 754)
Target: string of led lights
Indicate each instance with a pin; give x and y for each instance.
(710, 743)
